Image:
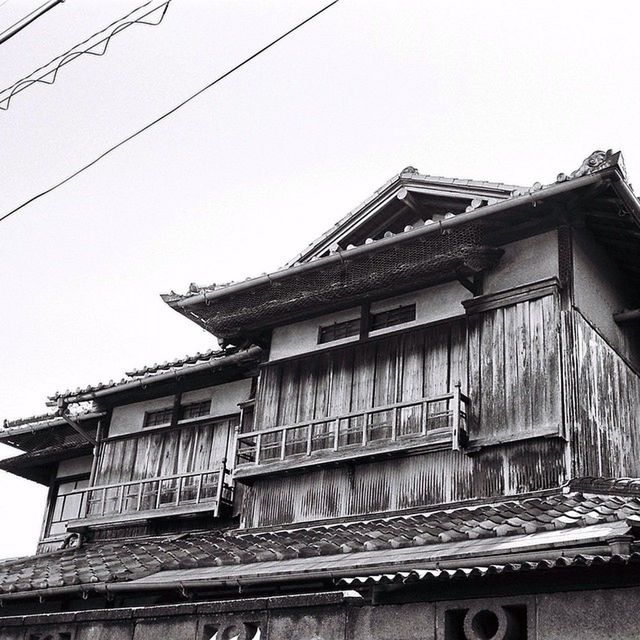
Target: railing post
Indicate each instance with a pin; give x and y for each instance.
(309, 434)
(425, 417)
(199, 490)
(365, 425)
(120, 499)
(103, 507)
(283, 444)
(159, 482)
(258, 446)
(394, 424)
(140, 488)
(336, 435)
(220, 488)
(456, 418)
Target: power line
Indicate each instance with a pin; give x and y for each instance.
(168, 113)
(51, 68)
(15, 28)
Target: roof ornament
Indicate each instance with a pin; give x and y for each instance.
(597, 161)
(409, 169)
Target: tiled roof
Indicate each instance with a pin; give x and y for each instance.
(597, 161)
(122, 561)
(147, 375)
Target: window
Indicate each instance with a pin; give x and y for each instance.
(158, 418)
(66, 505)
(195, 410)
(389, 318)
(339, 330)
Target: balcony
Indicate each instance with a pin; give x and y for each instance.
(139, 500)
(424, 424)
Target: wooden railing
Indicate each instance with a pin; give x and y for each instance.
(368, 429)
(185, 491)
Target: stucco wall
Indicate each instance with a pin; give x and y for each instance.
(432, 304)
(599, 290)
(74, 466)
(592, 615)
(224, 401)
(524, 262)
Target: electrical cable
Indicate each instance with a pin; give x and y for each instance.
(15, 24)
(14, 29)
(167, 113)
(60, 61)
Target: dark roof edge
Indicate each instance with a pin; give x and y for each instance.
(251, 353)
(182, 303)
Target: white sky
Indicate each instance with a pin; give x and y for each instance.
(244, 177)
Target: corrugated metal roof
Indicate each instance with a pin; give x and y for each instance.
(463, 573)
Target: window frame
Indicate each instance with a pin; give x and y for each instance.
(53, 502)
(352, 325)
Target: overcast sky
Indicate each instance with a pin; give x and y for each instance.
(241, 179)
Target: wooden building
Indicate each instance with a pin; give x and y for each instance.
(425, 426)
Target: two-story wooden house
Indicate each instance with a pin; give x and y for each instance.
(425, 426)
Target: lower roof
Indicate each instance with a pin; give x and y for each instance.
(530, 527)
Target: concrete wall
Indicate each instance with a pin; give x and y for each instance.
(432, 304)
(524, 262)
(224, 401)
(592, 615)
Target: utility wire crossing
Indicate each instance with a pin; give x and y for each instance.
(48, 73)
(168, 113)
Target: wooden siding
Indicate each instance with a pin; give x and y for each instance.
(433, 478)
(405, 366)
(514, 369)
(603, 412)
(165, 452)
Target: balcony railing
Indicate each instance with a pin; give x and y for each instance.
(392, 427)
(153, 497)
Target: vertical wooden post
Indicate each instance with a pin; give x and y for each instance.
(456, 418)
(220, 488)
(283, 444)
(140, 487)
(120, 498)
(336, 435)
(309, 434)
(365, 425)
(199, 489)
(258, 446)
(394, 424)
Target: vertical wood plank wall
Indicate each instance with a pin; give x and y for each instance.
(513, 359)
(602, 411)
(514, 368)
(406, 366)
(180, 450)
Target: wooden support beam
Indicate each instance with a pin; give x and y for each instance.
(74, 425)
(628, 315)
(405, 196)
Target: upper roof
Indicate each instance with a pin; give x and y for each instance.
(568, 523)
(431, 229)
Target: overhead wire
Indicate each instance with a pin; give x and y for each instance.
(168, 113)
(54, 65)
(24, 22)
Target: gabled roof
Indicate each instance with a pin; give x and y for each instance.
(549, 523)
(399, 190)
(436, 247)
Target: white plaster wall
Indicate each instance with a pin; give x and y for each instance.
(224, 401)
(432, 304)
(302, 337)
(524, 262)
(74, 466)
(435, 303)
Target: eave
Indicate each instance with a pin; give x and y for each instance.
(209, 308)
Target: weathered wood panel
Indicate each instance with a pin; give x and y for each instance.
(603, 407)
(166, 452)
(514, 368)
(404, 366)
(401, 483)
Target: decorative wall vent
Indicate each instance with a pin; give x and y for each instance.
(235, 630)
(487, 622)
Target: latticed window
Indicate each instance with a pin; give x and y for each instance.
(158, 418)
(339, 330)
(399, 315)
(67, 505)
(195, 410)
